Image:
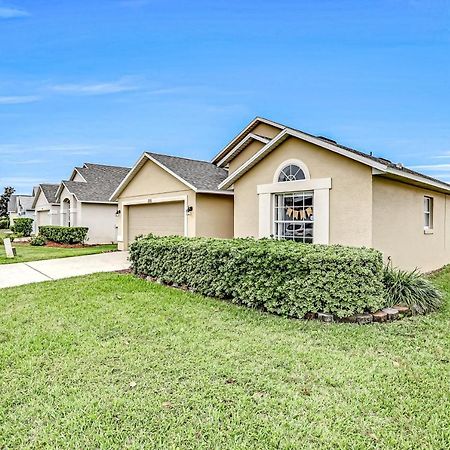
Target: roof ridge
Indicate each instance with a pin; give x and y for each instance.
(103, 165)
(181, 157)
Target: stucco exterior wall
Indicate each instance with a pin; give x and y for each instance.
(398, 225)
(45, 213)
(246, 154)
(78, 177)
(266, 130)
(67, 212)
(101, 221)
(214, 215)
(152, 182)
(350, 194)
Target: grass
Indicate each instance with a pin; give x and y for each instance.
(27, 253)
(110, 361)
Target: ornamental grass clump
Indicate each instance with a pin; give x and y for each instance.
(282, 277)
(411, 289)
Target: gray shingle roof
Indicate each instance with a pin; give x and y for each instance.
(203, 175)
(26, 202)
(49, 191)
(101, 182)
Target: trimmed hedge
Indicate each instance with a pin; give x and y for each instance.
(23, 225)
(64, 235)
(38, 241)
(282, 277)
(4, 223)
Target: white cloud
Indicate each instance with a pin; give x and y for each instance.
(18, 99)
(12, 13)
(432, 167)
(19, 182)
(95, 88)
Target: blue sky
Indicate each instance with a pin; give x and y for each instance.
(104, 80)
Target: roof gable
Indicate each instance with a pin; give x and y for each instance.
(379, 165)
(100, 182)
(248, 129)
(200, 176)
(48, 191)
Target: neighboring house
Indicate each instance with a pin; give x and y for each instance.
(46, 208)
(84, 200)
(168, 195)
(21, 206)
(288, 184)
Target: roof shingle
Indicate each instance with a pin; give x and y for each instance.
(202, 175)
(101, 182)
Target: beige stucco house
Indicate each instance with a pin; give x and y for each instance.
(275, 181)
(46, 208)
(84, 201)
(168, 195)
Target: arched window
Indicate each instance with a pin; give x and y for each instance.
(291, 172)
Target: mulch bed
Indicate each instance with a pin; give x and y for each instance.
(58, 245)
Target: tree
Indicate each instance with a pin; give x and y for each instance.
(4, 200)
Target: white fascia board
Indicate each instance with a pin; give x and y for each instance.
(240, 146)
(97, 202)
(286, 133)
(249, 127)
(38, 191)
(76, 171)
(137, 166)
(150, 157)
(414, 177)
(251, 161)
(60, 188)
(222, 192)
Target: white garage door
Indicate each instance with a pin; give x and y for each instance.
(42, 218)
(161, 219)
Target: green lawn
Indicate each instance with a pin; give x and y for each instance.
(27, 253)
(110, 361)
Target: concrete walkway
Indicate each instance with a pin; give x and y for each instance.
(56, 269)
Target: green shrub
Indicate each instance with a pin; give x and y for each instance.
(4, 223)
(64, 235)
(283, 277)
(411, 289)
(38, 241)
(23, 225)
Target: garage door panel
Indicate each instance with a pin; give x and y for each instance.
(43, 218)
(161, 219)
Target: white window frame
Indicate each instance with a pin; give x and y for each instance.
(321, 205)
(294, 162)
(428, 213)
(277, 222)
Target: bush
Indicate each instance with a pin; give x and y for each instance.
(23, 225)
(4, 223)
(411, 289)
(38, 241)
(64, 235)
(283, 277)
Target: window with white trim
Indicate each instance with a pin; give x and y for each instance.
(428, 213)
(291, 172)
(294, 216)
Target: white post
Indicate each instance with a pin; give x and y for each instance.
(8, 248)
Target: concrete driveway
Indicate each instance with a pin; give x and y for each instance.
(56, 269)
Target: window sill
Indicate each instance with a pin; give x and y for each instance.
(428, 231)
